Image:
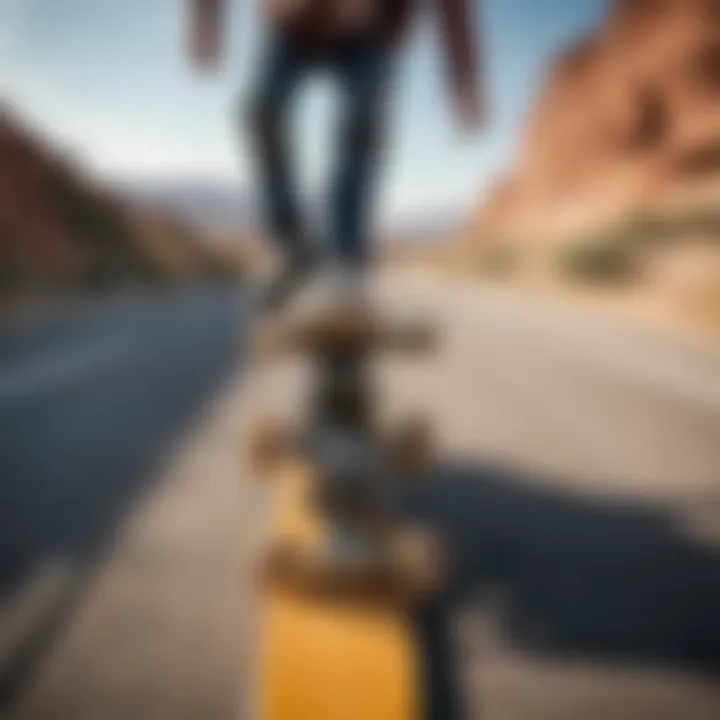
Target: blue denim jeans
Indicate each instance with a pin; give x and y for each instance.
(360, 68)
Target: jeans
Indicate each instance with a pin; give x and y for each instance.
(360, 67)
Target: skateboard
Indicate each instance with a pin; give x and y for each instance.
(340, 574)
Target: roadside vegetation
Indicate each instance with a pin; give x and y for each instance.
(673, 256)
(500, 262)
(620, 252)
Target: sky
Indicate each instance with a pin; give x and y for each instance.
(109, 79)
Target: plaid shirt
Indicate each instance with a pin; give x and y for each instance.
(318, 24)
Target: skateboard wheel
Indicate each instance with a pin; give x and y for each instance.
(417, 561)
(270, 341)
(407, 569)
(268, 445)
(411, 447)
(340, 330)
(285, 565)
(295, 569)
(413, 336)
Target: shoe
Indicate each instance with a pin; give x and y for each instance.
(297, 270)
(335, 291)
(349, 287)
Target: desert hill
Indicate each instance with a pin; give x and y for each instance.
(629, 117)
(61, 231)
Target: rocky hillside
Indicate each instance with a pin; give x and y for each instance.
(60, 232)
(629, 118)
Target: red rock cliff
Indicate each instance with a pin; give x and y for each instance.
(629, 117)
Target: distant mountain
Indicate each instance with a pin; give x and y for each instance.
(221, 207)
(421, 228)
(60, 230)
(209, 204)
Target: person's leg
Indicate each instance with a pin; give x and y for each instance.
(285, 65)
(282, 69)
(362, 69)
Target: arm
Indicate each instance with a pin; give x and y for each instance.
(205, 23)
(458, 28)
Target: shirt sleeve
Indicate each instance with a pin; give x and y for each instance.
(458, 27)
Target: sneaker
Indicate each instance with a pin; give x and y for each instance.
(295, 273)
(337, 291)
(350, 289)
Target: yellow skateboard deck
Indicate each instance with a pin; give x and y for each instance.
(321, 659)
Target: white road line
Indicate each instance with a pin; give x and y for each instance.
(18, 380)
(24, 610)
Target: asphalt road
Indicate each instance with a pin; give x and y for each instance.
(577, 489)
(92, 398)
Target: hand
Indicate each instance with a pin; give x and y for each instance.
(469, 109)
(205, 45)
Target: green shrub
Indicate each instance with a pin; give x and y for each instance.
(647, 228)
(651, 227)
(613, 253)
(499, 261)
(600, 261)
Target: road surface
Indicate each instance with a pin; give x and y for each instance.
(578, 488)
(92, 398)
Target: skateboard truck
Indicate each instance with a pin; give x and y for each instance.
(345, 332)
(403, 569)
(408, 448)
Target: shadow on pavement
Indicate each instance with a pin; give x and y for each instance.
(578, 575)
